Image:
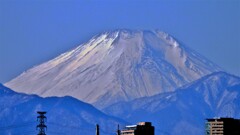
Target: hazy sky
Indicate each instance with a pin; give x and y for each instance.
(34, 31)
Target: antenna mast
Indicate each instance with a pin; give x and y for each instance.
(97, 129)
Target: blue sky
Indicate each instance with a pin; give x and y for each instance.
(34, 31)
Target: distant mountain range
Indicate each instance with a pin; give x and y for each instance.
(115, 66)
(183, 112)
(65, 115)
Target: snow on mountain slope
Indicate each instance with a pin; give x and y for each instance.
(184, 111)
(65, 115)
(116, 66)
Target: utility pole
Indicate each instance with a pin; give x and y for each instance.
(41, 126)
(97, 129)
(118, 131)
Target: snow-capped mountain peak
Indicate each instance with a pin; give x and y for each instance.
(116, 65)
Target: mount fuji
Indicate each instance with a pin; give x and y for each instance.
(119, 65)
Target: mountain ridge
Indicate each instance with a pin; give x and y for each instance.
(64, 114)
(116, 66)
(184, 111)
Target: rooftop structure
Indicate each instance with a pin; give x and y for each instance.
(142, 128)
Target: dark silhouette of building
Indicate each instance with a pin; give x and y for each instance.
(142, 128)
(223, 126)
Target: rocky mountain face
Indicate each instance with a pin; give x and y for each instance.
(116, 66)
(65, 115)
(183, 112)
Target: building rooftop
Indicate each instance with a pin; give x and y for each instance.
(221, 119)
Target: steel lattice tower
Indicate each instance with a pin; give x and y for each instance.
(41, 126)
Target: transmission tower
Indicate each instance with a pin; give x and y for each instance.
(41, 126)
